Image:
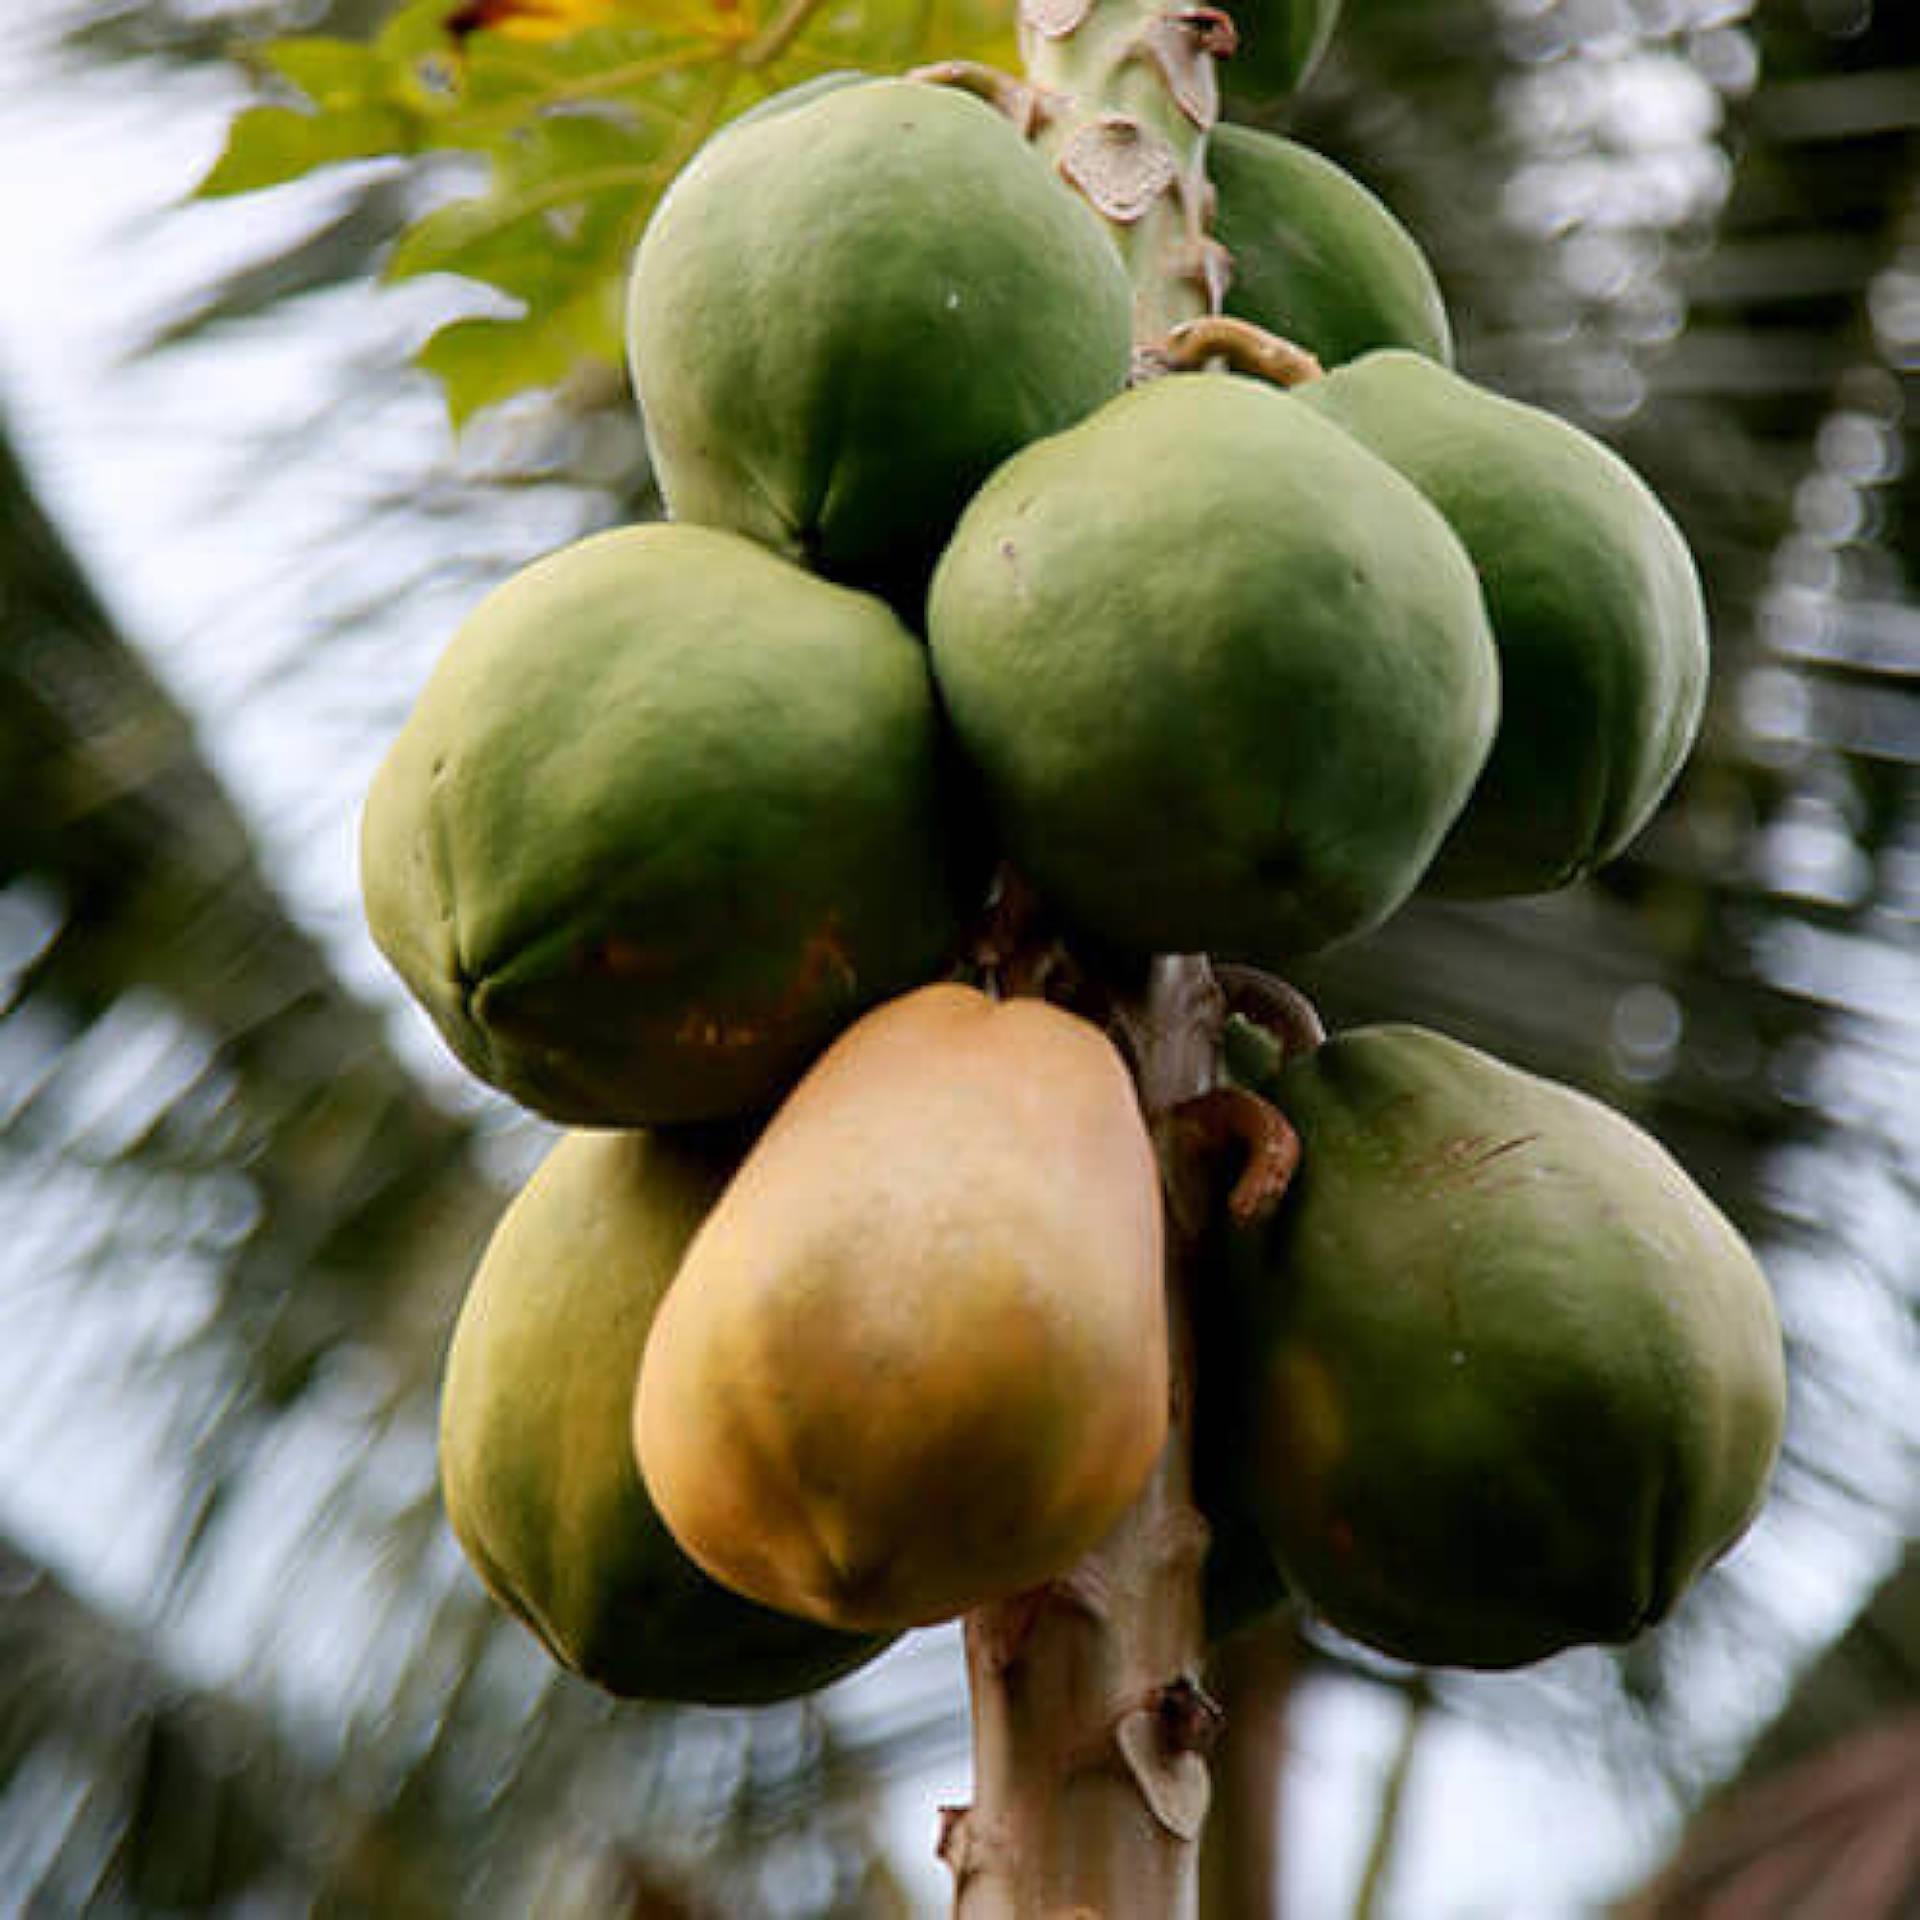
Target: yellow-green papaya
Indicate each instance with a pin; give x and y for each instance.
(1505, 1380)
(536, 1455)
(1226, 676)
(845, 314)
(667, 816)
(1318, 259)
(1281, 43)
(916, 1358)
(1596, 607)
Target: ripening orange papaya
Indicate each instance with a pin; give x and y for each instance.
(916, 1357)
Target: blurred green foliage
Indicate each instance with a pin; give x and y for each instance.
(578, 133)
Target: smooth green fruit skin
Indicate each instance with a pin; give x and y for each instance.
(1596, 606)
(536, 1459)
(668, 815)
(1281, 43)
(845, 315)
(788, 98)
(1318, 259)
(1226, 677)
(1508, 1380)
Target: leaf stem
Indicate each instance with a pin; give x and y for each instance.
(779, 34)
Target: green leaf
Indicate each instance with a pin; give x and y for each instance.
(416, 31)
(331, 73)
(267, 146)
(482, 361)
(582, 133)
(567, 201)
(631, 60)
(424, 68)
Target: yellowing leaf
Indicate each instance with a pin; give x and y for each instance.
(530, 19)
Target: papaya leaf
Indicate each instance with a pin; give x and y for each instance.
(349, 109)
(561, 215)
(419, 31)
(651, 74)
(485, 359)
(583, 111)
(532, 19)
(569, 193)
(331, 73)
(268, 146)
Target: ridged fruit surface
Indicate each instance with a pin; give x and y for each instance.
(1226, 676)
(536, 1454)
(667, 816)
(1505, 1380)
(1596, 607)
(845, 314)
(1317, 258)
(916, 1358)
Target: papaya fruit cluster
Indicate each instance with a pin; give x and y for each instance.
(842, 1310)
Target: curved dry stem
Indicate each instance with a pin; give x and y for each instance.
(1283, 1010)
(1027, 106)
(1231, 1116)
(1244, 348)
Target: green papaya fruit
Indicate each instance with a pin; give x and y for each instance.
(668, 814)
(844, 315)
(1281, 42)
(1318, 259)
(536, 1460)
(775, 104)
(1225, 676)
(1504, 1378)
(1596, 607)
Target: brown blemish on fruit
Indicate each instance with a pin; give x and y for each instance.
(1469, 1160)
(825, 971)
(626, 959)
